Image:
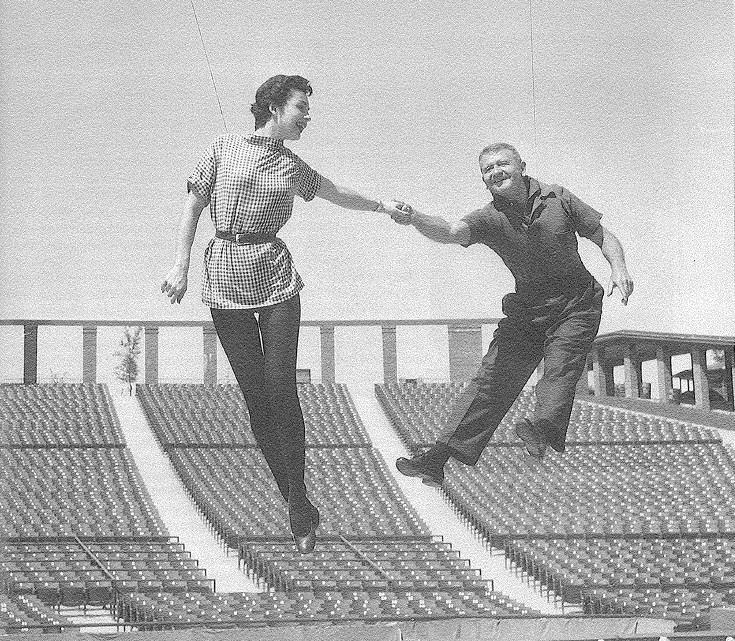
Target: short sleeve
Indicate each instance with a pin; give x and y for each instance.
(203, 177)
(585, 219)
(309, 181)
(480, 224)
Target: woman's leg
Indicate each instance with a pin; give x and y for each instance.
(279, 327)
(239, 334)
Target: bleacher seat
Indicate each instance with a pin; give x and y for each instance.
(374, 559)
(636, 517)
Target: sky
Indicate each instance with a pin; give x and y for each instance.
(106, 108)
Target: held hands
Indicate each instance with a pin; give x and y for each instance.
(400, 212)
(621, 279)
(174, 285)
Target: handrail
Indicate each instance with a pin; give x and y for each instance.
(208, 323)
(94, 558)
(629, 348)
(367, 559)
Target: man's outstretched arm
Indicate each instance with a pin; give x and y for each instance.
(435, 228)
(612, 250)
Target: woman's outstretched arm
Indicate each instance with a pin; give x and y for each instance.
(350, 199)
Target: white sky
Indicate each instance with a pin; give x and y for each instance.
(106, 107)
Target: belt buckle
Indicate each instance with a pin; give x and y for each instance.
(240, 242)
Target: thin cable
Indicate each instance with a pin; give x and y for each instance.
(533, 82)
(211, 75)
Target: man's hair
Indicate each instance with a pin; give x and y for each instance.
(276, 91)
(497, 146)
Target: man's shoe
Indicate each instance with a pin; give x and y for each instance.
(532, 439)
(418, 467)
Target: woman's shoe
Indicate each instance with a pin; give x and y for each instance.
(305, 544)
(303, 536)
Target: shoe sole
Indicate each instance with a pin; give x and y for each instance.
(426, 479)
(534, 448)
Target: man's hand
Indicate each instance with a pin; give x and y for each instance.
(174, 285)
(621, 279)
(403, 213)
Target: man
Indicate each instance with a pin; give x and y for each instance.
(554, 313)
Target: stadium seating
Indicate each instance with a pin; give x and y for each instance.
(68, 491)
(65, 573)
(78, 524)
(372, 544)
(597, 491)
(58, 415)
(235, 490)
(636, 517)
(411, 565)
(23, 611)
(331, 605)
(419, 412)
(198, 415)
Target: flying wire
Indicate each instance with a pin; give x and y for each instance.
(533, 80)
(211, 75)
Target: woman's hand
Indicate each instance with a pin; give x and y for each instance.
(402, 213)
(175, 283)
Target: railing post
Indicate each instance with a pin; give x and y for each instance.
(151, 355)
(699, 373)
(632, 367)
(583, 385)
(210, 354)
(465, 351)
(326, 335)
(390, 354)
(30, 353)
(663, 368)
(600, 373)
(729, 375)
(89, 353)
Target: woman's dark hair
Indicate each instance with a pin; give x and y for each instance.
(276, 91)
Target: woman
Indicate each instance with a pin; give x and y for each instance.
(249, 184)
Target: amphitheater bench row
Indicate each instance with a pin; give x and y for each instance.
(364, 517)
(419, 412)
(636, 517)
(58, 415)
(216, 416)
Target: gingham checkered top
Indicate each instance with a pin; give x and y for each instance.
(250, 183)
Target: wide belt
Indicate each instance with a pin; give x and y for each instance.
(245, 238)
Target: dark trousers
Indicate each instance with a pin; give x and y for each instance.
(559, 330)
(262, 353)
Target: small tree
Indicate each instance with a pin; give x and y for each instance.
(127, 368)
(718, 357)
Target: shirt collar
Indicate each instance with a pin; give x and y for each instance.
(534, 188)
(264, 141)
(506, 206)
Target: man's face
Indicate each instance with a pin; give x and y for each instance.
(502, 174)
(293, 117)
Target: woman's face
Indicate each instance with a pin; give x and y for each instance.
(292, 118)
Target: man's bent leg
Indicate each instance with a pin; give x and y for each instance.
(512, 357)
(568, 343)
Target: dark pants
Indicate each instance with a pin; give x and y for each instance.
(262, 353)
(559, 330)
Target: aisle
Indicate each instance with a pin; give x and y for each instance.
(437, 513)
(172, 502)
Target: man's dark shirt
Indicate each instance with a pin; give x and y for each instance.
(538, 244)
